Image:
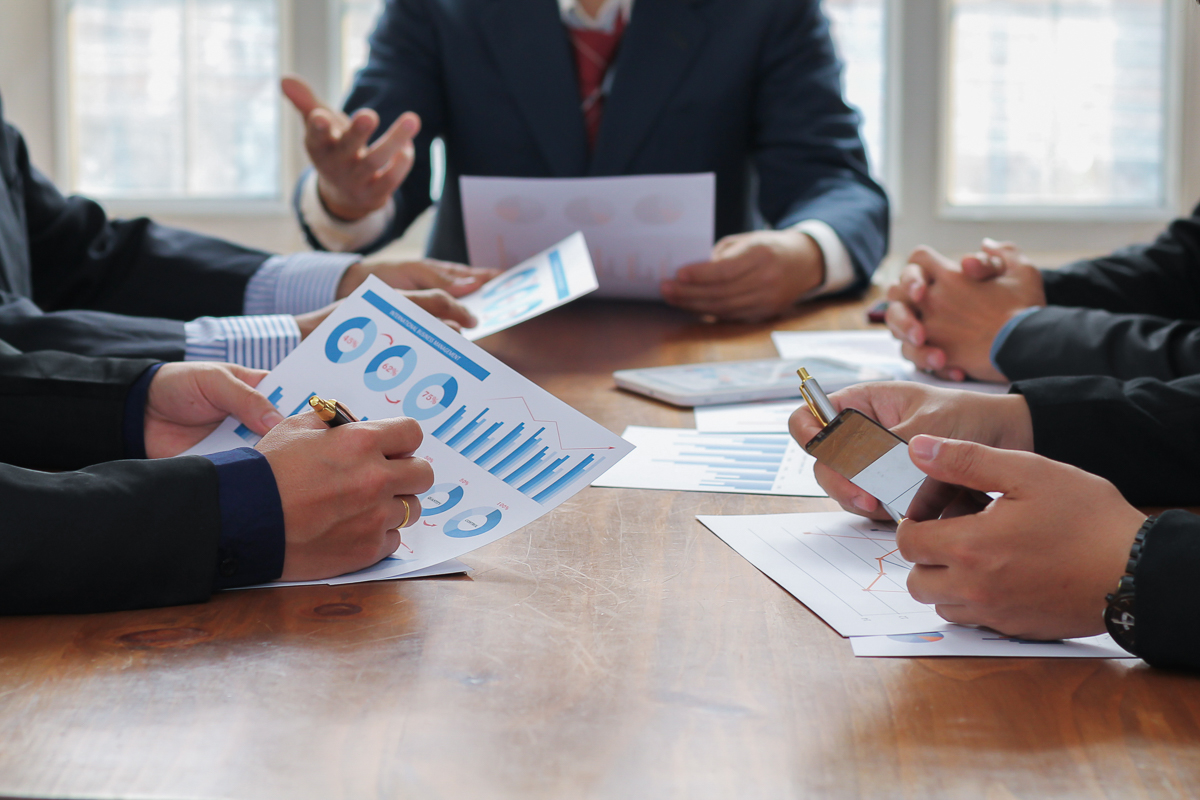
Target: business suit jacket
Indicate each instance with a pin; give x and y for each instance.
(748, 89)
(1144, 436)
(111, 536)
(1135, 313)
(73, 280)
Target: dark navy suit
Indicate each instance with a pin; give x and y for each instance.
(748, 89)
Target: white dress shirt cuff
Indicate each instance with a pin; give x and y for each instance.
(839, 269)
(338, 235)
(260, 342)
(297, 283)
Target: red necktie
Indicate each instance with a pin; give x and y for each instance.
(594, 53)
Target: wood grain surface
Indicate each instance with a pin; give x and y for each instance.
(613, 649)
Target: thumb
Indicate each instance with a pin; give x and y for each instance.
(301, 95)
(981, 269)
(231, 390)
(975, 466)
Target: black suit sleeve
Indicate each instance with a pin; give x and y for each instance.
(1143, 435)
(1160, 279)
(1167, 607)
(1084, 341)
(127, 534)
(124, 534)
(72, 279)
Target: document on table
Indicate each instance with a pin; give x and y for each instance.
(548, 280)
(769, 417)
(639, 229)
(504, 451)
(957, 640)
(848, 571)
(845, 568)
(451, 567)
(684, 460)
(878, 349)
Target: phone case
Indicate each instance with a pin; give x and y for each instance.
(871, 457)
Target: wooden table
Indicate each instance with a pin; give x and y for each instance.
(614, 649)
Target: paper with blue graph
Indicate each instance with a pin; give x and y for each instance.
(685, 460)
(548, 280)
(504, 451)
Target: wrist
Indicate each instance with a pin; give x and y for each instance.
(1120, 613)
(807, 262)
(1015, 423)
(351, 279)
(335, 207)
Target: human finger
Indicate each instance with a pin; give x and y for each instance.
(931, 262)
(926, 358)
(719, 270)
(231, 395)
(443, 306)
(301, 95)
(394, 438)
(394, 140)
(410, 475)
(913, 283)
(903, 322)
(972, 465)
(982, 267)
(363, 123)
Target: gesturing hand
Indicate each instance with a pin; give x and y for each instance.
(909, 409)
(752, 276)
(1037, 562)
(354, 178)
(345, 491)
(186, 402)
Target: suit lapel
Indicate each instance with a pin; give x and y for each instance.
(662, 41)
(534, 57)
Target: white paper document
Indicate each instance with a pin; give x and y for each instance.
(845, 568)
(550, 279)
(640, 229)
(878, 349)
(451, 567)
(956, 640)
(769, 417)
(684, 460)
(504, 451)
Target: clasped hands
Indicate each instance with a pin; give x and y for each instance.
(1035, 563)
(947, 315)
(751, 276)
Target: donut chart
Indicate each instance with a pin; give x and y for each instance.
(441, 497)
(473, 522)
(344, 335)
(382, 374)
(426, 390)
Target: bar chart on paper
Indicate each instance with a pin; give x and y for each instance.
(681, 459)
(527, 454)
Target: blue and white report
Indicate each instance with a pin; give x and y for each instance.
(504, 451)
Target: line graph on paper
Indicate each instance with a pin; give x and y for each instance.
(844, 568)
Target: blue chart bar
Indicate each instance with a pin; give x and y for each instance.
(749, 463)
(499, 447)
(514, 455)
(457, 438)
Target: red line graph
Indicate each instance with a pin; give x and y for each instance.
(870, 587)
(557, 432)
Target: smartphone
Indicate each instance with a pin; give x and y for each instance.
(709, 384)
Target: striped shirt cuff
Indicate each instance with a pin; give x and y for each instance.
(297, 283)
(260, 342)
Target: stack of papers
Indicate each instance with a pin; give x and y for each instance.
(849, 572)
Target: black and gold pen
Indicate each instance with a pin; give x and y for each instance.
(331, 412)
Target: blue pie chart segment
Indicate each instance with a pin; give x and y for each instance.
(430, 396)
(390, 368)
(350, 340)
(473, 522)
(442, 497)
